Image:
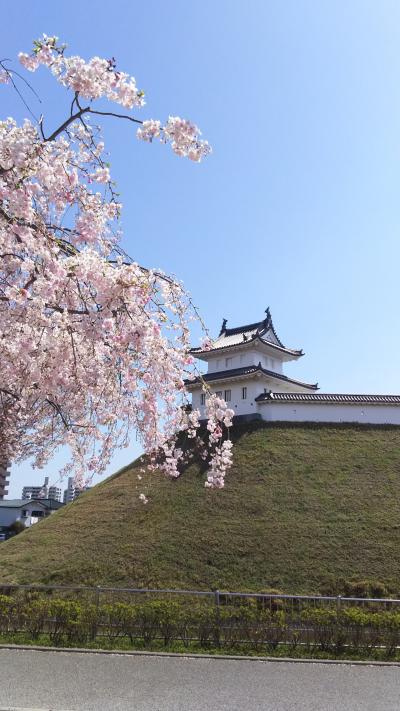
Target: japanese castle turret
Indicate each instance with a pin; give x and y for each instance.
(246, 368)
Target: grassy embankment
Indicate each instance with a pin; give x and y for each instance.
(304, 506)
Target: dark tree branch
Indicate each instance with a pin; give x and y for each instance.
(59, 412)
(66, 123)
(111, 113)
(87, 110)
(8, 392)
(11, 254)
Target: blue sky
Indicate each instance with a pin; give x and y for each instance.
(298, 208)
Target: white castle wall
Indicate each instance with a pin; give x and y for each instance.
(237, 403)
(239, 359)
(255, 386)
(318, 412)
(298, 411)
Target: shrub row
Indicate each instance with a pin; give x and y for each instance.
(355, 588)
(66, 621)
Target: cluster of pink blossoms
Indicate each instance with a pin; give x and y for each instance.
(93, 346)
(91, 80)
(219, 416)
(183, 136)
(99, 78)
(220, 463)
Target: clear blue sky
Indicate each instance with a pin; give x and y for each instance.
(298, 208)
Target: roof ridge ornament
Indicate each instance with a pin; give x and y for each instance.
(268, 325)
(268, 319)
(223, 327)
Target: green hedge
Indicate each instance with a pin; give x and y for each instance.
(229, 627)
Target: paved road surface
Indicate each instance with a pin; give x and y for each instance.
(93, 682)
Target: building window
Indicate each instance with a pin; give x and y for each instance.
(244, 393)
(217, 364)
(227, 395)
(202, 399)
(219, 393)
(272, 363)
(228, 362)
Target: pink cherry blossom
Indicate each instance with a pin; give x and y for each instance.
(149, 130)
(30, 63)
(93, 347)
(183, 136)
(206, 343)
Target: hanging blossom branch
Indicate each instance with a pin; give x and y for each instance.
(92, 345)
(100, 78)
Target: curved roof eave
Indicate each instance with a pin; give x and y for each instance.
(201, 352)
(248, 371)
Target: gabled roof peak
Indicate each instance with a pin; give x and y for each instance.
(258, 328)
(259, 332)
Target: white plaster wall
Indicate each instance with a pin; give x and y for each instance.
(318, 412)
(267, 362)
(255, 387)
(299, 412)
(228, 361)
(240, 406)
(242, 359)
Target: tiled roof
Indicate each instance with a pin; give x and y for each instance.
(230, 341)
(13, 503)
(50, 503)
(249, 370)
(229, 337)
(248, 333)
(261, 326)
(20, 503)
(330, 398)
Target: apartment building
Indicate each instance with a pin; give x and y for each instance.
(71, 492)
(42, 492)
(4, 476)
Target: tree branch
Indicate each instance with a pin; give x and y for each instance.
(87, 110)
(8, 392)
(111, 113)
(66, 123)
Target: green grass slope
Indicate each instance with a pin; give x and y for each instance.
(302, 504)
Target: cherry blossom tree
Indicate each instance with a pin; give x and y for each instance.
(92, 345)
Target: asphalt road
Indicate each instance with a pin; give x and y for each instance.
(93, 682)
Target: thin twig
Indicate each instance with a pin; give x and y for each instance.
(9, 74)
(111, 113)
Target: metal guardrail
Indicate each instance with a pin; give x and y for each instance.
(226, 623)
(219, 596)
